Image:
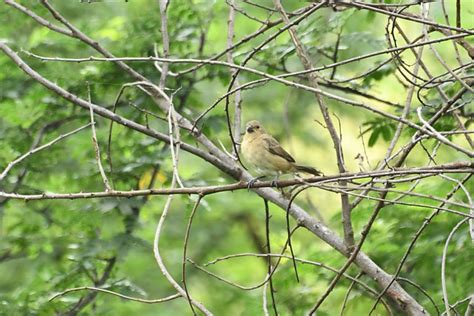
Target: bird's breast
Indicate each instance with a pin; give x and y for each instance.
(255, 151)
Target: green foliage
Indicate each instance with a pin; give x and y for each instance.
(379, 127)
(378, 75)
(49, 246)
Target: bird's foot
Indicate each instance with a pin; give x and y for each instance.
(252, 182)
(274, 183)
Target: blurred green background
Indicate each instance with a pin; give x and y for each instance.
(49, 246)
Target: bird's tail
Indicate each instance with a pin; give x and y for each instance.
(310, 170)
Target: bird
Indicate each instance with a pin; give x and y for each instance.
(267, 156)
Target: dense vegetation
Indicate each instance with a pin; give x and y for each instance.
(51, 243)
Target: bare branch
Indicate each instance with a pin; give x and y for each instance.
(125, 297)
(96, 145)
(307, 64)
(156, 250)
(443, 265)
(458, 167)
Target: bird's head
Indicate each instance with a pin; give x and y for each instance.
(254, 128)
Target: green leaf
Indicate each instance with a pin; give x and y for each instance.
(386, 132)
(373, 137)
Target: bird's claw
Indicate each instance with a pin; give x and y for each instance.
(274, 183)
(252, 182)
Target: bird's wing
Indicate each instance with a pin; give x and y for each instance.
(275, 148)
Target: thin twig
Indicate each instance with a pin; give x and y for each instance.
(230, 59)
(96, 145)
(269, 250)
(122, 296)
(185, 249)
(159, 259)
(312, 77)
(443, 266)
(457, 167)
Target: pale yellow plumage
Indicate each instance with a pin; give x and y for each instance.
(264, 153)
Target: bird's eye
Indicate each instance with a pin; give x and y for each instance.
(257, 127)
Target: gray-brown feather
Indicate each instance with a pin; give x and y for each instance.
(275, 148)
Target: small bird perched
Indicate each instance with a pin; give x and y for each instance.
(266, 155)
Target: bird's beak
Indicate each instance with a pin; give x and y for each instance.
(249, 129)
